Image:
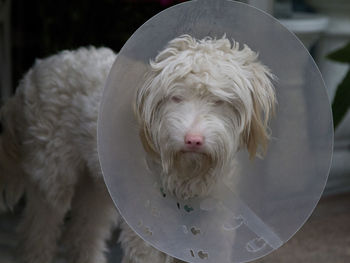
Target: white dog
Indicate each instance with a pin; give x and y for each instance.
(203, 101)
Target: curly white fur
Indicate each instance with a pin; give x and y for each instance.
(211, 89)
(209, 92)
(48, 149)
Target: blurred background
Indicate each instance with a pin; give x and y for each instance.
(38, 28)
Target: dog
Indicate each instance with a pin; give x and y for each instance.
(202, 102)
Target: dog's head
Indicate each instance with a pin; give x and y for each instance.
(202, 102)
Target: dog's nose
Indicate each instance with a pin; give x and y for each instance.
(194, 140)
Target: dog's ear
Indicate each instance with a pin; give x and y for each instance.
(256, 134)
(147, 143)
(146, 107)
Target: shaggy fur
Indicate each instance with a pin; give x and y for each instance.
(202, 102)
(48, 148)
(207, 90)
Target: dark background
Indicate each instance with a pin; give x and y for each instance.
(40, 28)
(43, 27)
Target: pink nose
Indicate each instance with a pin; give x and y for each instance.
(194, 140)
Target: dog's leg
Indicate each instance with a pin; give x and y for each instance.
(138, 251)
(52, 171)
(41, 225)
(93, 216)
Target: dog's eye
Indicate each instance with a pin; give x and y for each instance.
(218, 102)
(176, 99)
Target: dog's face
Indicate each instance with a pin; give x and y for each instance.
(202, 102)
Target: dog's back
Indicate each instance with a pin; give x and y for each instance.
(54, 111)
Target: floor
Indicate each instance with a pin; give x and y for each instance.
(325, 238)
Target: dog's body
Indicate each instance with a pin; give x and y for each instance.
(194, 114)
(49, 131)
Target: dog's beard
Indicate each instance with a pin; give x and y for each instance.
(191, 174)
(188, 164)
(188, 173)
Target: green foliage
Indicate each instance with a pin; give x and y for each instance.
(341, 101)
(341, 55)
